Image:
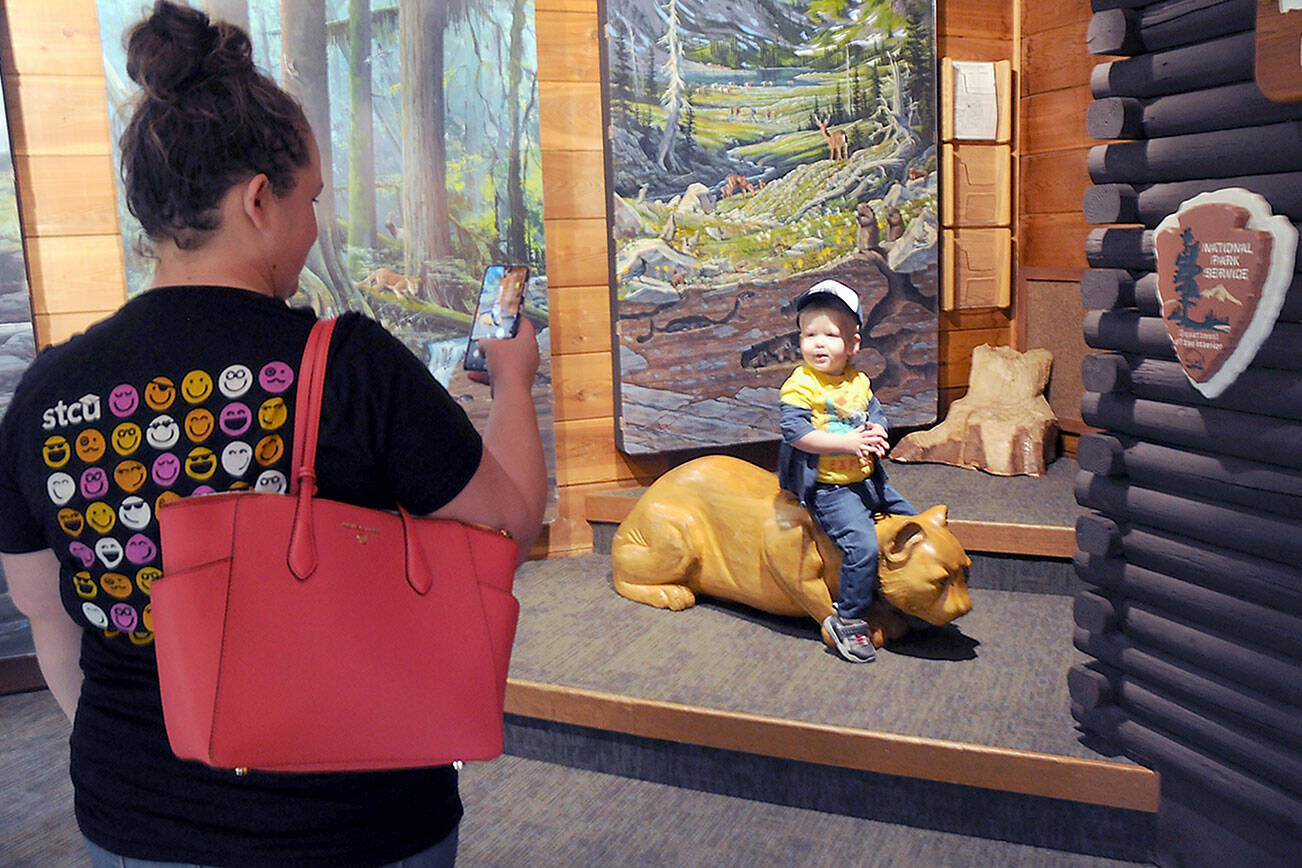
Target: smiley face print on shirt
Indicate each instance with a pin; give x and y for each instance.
(112, 459)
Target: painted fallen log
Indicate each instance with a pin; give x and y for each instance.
(1255, 625)
(1191, 67)
(1244, 482)
(1150, 204)
(1244, 576)
(1116, 288)
(1128, 331)
(1264, 391)
(1147, 745)
(1272, 148)
(1241, 104)
(1282, 721)
(1263, 534)
(1166, 24)
(1253, 752)
(1126, 247)
(1262, 671)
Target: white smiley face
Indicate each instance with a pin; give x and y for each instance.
(236, 457)
(162, 432)
(270, 481)
(109, 552)
(95, 615)
(134, 513)
(234, 381)
(61, 487)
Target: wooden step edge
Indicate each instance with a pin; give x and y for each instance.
(1096, 782)
(993, 537)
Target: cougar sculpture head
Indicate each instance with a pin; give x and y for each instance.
(923, 568)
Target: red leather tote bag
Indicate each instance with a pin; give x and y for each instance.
(295, 633)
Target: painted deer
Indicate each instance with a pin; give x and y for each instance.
(734, 184)
(836, 144)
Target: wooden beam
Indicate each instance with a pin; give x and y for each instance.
(1037, 774)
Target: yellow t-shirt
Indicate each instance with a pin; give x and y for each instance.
(836, 404)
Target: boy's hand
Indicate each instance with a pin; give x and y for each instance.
(875, 440)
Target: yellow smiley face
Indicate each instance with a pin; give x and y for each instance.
(200, 464)
(72, 522)
(56, 451)
(101, 517)
(84, 585)
(269, 450)
(145, 580)
(198, 424)
(165, 497)
(196, 386)
(126, 438)
(160, 393)
(90, 446)
(116, 585)
(141, 638)
(147, 617)
(130, 475)
(272, 414)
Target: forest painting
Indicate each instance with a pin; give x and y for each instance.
(17, 339)
(426, 113)
(756, 147)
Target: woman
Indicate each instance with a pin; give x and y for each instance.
(183, 391)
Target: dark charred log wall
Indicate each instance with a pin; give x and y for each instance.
(1193, 541)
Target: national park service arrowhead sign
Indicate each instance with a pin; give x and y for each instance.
(1224, 265)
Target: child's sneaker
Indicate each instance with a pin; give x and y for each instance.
(853, 638)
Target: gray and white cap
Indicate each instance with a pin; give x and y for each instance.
(836, 289)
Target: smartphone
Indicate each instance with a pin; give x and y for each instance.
(498, 312)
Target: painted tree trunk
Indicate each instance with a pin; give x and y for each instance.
(425, 214)
(361, 138)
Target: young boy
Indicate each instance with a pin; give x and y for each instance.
(833, 432)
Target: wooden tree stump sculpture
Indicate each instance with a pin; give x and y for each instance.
(1003, 425)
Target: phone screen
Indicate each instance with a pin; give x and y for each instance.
(497, 314)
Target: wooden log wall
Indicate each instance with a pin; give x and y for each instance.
(1190, 543)
(54, 84)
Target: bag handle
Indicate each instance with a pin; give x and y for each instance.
(301, 557)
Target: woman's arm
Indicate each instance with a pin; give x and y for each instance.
(509, 490)
(34, 586)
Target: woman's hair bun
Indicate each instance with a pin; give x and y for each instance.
(177, 48)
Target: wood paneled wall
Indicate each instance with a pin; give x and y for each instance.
(53, 79)
(1054, 97)
(54, 85)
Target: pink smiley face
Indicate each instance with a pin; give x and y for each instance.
(140, 549)
(166, 468)
(123, 400)
(124, 617)
(275, 377)
(235, 419)
(83, 553)
(94, 482)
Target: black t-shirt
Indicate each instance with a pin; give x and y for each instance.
(183, 391)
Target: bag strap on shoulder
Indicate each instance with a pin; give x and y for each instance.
(307, 405)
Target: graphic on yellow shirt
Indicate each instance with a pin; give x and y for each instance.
(837, 404)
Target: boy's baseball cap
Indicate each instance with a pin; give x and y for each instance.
(836, 289)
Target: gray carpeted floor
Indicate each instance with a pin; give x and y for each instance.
(524, 812)
(973, 495)
(996, 677)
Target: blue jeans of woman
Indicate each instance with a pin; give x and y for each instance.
(845, 513)
(441, 855)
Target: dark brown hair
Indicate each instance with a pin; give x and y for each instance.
(206, 119)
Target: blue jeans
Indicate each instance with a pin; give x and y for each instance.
(845, 513)
(441, 855)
